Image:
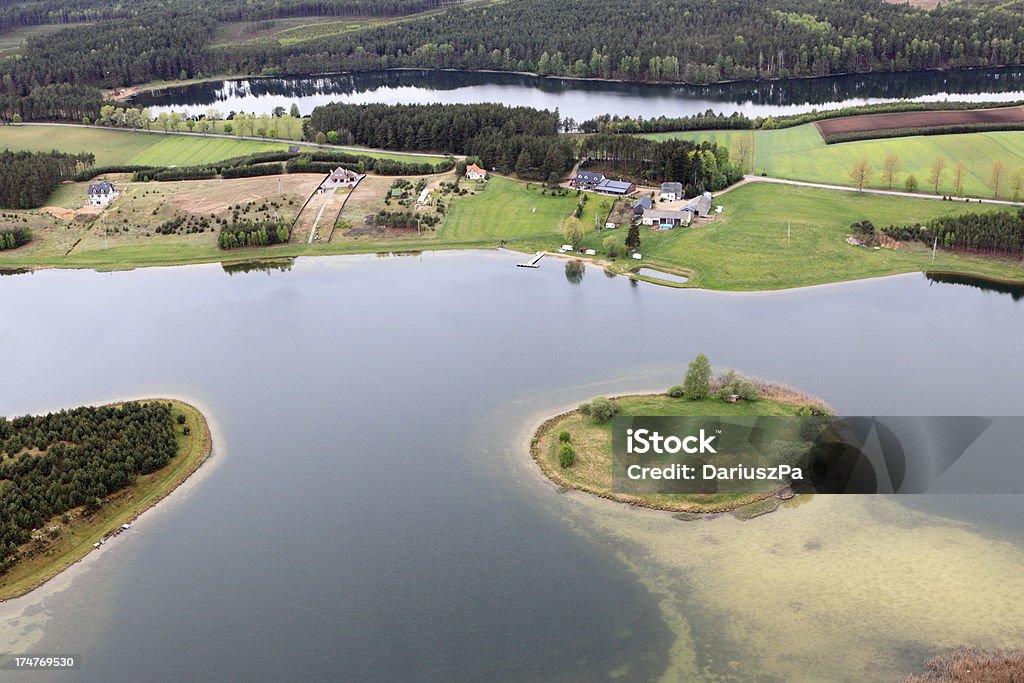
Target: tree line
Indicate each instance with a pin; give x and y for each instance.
(12, 238)
(253, 233)
(28, 178)
(52, 463)
(996, 233)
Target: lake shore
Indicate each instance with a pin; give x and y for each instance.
(49, 559)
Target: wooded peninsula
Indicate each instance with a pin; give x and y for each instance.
(71, 480)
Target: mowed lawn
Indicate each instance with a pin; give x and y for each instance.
(799, 153)
(513, 211)
(746, 247)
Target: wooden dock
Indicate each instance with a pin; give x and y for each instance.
(532, 263)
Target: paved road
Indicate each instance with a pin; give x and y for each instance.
(361, 150)
(843, 188)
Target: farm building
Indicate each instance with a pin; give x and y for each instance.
(666, 219)
(700, 206)
(642, 205)
(671, 192)
(340, 177)
(102, 193)
(597, 182)
(587, 180)
(474, 172)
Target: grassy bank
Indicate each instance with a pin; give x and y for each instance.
(592, 469)
(84, 529)
(799, 153)
(745, 248)
(776, 237)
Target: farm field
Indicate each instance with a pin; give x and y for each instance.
(918, 119)
(11, 40)
(799, 153)
(746, 247)
(116, 147)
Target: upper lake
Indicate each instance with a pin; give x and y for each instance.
(585, 99)
(371, 513)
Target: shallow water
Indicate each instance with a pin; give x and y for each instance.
(371, 512)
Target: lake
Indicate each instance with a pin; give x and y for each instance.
(371, 512)
(582, 100)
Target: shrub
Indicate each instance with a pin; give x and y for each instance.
(564, 436)
(181, 419)
(585, 408)
(676, 391)
(566, 455)
(602, 409)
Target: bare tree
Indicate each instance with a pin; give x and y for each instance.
(1017, 182)
(938, 168)
(958, 178)
(996, 179)
(744, 152)
(861, 173)
(890, 169)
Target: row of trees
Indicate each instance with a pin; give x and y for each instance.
(50, 464)
(28, 178)
(942, 176)
(999, 232)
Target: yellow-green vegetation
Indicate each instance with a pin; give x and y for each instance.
(799, 153)
(74, 538)
(747, 248)
(591, 439)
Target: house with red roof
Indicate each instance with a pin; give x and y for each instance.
(474, 172)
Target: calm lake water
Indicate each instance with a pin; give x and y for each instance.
(371, 514)
(582, 100)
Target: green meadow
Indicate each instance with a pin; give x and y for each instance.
(799, 153)
(747, 248)
(119, 147)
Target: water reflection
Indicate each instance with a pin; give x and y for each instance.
(575, 269)
(1015, 290)
(582, 100)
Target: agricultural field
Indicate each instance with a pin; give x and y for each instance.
(116, 147)
(11, 40)
(746, 247)
(918, 119)
(799, 153)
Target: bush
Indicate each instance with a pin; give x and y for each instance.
(566, 455)
(676, 391)
(181, 419)
(564, 436)
(602, 409)
(585, 408)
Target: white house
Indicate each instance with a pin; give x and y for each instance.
(665, 219)
(340, 177)
(474, 172)
(671, 192)
(102, 193)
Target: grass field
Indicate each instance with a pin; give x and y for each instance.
(799, 153)
(114, 147)
(592, 470)
(79, 534)
(746, 247)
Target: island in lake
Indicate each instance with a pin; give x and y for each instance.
(71, 480)
(574, 449)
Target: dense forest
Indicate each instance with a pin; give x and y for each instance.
(998, 233)
(699, 167)
(28, 178)
(518, 139)
(654, 40)
(50, 464)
